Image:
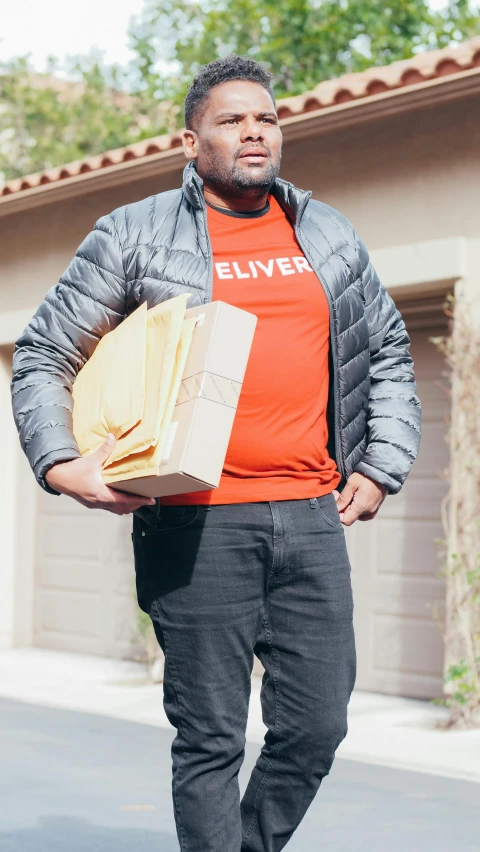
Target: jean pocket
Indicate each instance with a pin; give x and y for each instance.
(328, 510)
(173, 518)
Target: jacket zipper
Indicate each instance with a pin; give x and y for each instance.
(333, 338)
(209, 287)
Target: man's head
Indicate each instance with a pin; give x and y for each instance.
(232, 128)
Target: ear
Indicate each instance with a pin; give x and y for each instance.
(190, 144)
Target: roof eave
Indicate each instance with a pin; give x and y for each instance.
(429, 94)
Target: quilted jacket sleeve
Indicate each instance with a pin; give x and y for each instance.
(88, 301)
(394, 409)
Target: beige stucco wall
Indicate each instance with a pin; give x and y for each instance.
(402, 180)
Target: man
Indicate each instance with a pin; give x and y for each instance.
(327, 426)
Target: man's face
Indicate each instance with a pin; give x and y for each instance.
(237, 144)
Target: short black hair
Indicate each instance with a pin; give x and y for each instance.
(221, 71)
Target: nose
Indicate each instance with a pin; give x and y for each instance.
(252, 130)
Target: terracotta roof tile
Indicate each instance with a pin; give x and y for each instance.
(416, 70)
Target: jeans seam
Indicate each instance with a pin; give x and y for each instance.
(271, 762)
(329, 521)
(183, 842)
(277, 543)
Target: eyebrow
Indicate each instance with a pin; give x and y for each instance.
(241, 115)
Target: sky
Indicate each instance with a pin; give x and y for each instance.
(63, 27)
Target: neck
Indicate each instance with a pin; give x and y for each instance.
(243, 204)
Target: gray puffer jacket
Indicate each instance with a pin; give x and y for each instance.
(156, 248)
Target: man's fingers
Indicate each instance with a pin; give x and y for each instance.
(120, 502)
(346, 497)
(368, 516)
(357, 507)
(360, 499)
(105, 450)
(125, 498)
(350, 514)
(120, 510)
(124, 508)
(357, 512)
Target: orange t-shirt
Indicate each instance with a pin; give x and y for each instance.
(277, 448)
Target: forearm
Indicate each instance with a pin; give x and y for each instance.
(88, 301)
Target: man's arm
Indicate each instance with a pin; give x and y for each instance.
(88, 301)
(394, 409)
(393, 423)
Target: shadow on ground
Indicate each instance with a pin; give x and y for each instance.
(58, 834)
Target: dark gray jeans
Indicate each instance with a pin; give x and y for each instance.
(224, 582)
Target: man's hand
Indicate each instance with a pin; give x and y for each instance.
(360, 499)
(82, 480)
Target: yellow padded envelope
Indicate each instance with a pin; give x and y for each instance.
(102, 402)
(147, 462)
(130, 386)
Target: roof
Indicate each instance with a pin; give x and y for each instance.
(412, 72)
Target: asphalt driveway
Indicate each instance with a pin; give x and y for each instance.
(75, 782)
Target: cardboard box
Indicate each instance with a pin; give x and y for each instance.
(200, 430)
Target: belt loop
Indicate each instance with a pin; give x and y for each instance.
(313, 502)
(158, 507)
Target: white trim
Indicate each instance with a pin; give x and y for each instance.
(12, 323)
(421, 267)
(17, 525)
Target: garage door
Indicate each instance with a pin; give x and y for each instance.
(395, 562)
(84, 579)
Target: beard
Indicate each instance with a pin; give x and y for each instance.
(237, 181)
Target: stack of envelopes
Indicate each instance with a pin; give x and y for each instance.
(130, 386)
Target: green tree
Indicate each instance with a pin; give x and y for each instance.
(45, 122)
(301, 41)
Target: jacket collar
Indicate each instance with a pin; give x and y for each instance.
(292, 199)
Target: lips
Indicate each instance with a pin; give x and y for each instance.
(254, 152)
